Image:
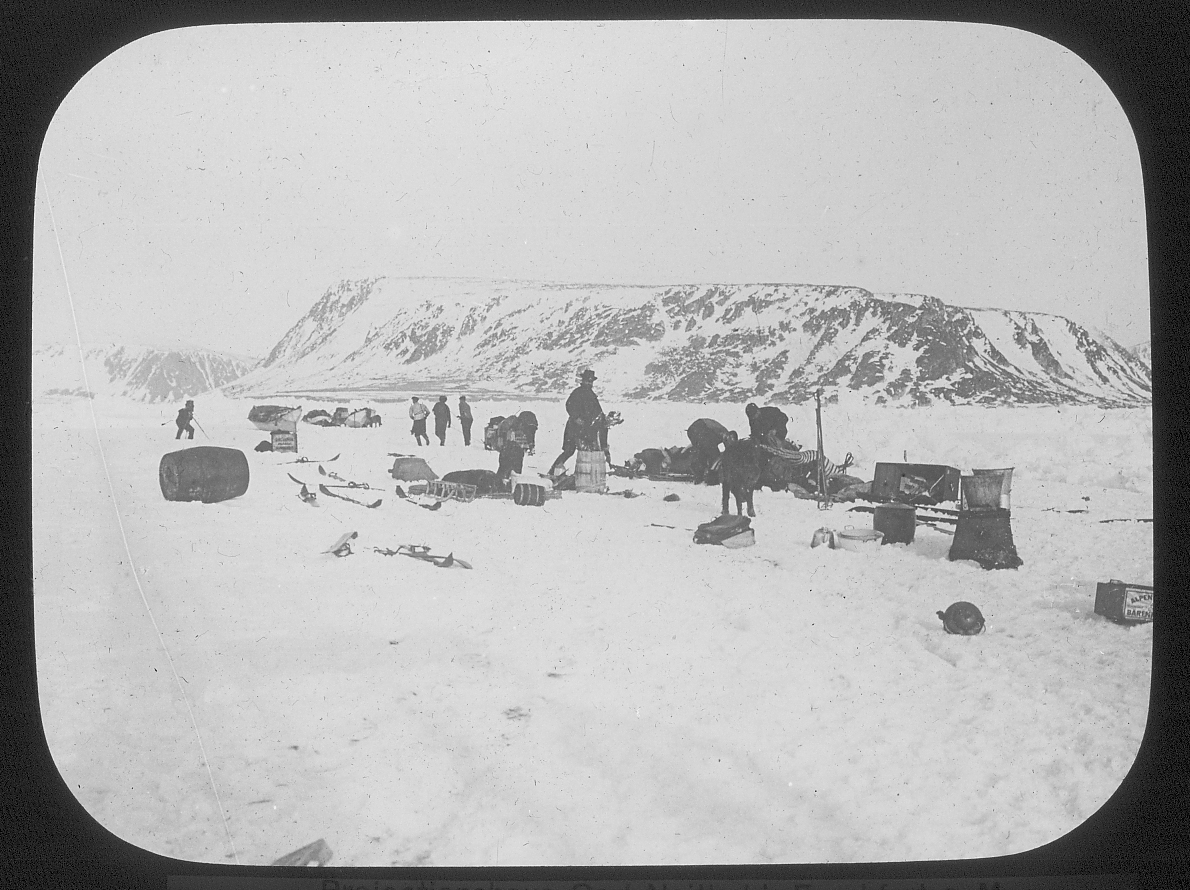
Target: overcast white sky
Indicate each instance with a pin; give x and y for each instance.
(209, 184)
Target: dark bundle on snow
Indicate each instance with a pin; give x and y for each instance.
(485, 481)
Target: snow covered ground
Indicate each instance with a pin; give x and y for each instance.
(598, 689)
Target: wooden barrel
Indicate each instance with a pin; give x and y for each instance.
(590, 472)
(528, 495)
(203, 473)
(897, 521)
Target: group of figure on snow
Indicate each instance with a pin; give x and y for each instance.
(715, 454)
(418, 413)
(586, 424)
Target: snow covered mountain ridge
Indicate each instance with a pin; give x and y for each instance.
(1144, 352)
(704, 342)
(142, 373)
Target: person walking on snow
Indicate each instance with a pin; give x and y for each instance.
(465, 419)
(185, 416)
(585, 426)
(418, 413)
(441, 419)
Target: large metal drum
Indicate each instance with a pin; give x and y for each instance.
(204, 473)
(897, 521)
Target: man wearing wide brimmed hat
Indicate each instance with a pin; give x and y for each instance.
(584, 424)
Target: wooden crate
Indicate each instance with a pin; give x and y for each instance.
(284, 441)
(1124, 603)
(893, 482)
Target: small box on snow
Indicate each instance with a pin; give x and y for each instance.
(1124, 603)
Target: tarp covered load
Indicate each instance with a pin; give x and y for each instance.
(362, 417)
(275, 418)
(663, 464)
(789, 465)
(409, 468)
(319, 417)
(519, 428)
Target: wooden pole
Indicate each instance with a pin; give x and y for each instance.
(824, 499)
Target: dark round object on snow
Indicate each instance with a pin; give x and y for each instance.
(525, 494)
(962, 618)
(204, 473)
(263, 446)
(671, 498)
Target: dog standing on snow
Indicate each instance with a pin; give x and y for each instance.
(739, 472)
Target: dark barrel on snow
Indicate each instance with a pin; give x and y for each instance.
(525, 494)
(897, 521)
(204, 473)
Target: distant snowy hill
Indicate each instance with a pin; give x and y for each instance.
(138, 372)
(777, 342)
(1144, 352)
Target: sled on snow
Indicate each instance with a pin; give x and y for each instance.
(628, 473)
(275, 418)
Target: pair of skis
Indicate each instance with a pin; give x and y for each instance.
(309, 497)
(437, 505)
(347, 483)
(376, 503)
(342, 547)
(338, 478)
(307, 460)
(422, 552)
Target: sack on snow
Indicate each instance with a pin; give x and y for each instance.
(730, 531)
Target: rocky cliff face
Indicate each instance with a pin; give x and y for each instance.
(137, 372)
(773, 342)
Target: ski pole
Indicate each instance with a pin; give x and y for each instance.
(824, 499)
(199, 425)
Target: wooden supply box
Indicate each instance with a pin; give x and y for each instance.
(284, 441)
(898, 482)
(1124, 603)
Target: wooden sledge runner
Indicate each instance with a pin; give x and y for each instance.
(445, 491)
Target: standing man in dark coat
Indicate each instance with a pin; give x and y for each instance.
(441, 419)
(418, 414)
(584, 424)
(465, 419)
(185, 416)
